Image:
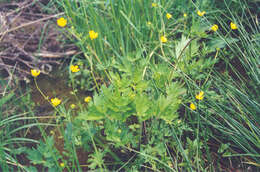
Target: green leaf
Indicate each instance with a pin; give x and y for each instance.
(91, 115)
(227, 154)
(223, 147)
(6, 98)
(169, 104)
(69, 132)
(181, 45)
(19, 150)
(31, 169)
(221, 43)
(142, 105)
(199, 29)
(35, 156)
(96, 159)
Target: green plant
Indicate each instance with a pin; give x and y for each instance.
(233, 112)
(12, 139)
(143, 79)
(46, 155)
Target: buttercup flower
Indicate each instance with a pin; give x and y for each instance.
(55, 102)
(62, 22)
(168, 15)
(62, 165)
(184, 15)
(193, 106)
(201, 13)
(163, 39)
(35, 72)
(72, 106)
(74, 68)
(233, 26)
(154, 5)
(93, 34)
(200, 96)
(87, 99)
(214, 27)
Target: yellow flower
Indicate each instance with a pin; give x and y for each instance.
(93, 34)
(163, 39)
(55, 102)
(72, 106)
(74, 68)
(52, 132)
(201, 13)
(214, 27)
(154, 5)
(35, 72)
(193, 106)
(87, 99)
(62, 165)
(185, 15)
(200, 96)
(233, 26)
(62, 22)
(168, 15)
(149, 23)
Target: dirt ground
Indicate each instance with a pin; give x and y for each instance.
(30, 38)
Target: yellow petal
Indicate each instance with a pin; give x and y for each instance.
(201, 13)
(200, 96)
(93, 34)
(74, 68)
(163, 39)
(87, 99)
(193, 106)
(154, 5)
(214, 27)
(55, 102)
(168, 15)
(72, 106)
(62, 164)
(233, 26)
(62, 22)
(35, 72)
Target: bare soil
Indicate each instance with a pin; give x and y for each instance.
(30, 38)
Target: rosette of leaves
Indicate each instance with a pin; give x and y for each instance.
(131, 95)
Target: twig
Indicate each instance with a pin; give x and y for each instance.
(21, 7)
(185, 47)
(28, 24)
(47, 54)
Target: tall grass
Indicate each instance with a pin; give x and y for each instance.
(10, 129)
(16, 120)
(235, 114)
